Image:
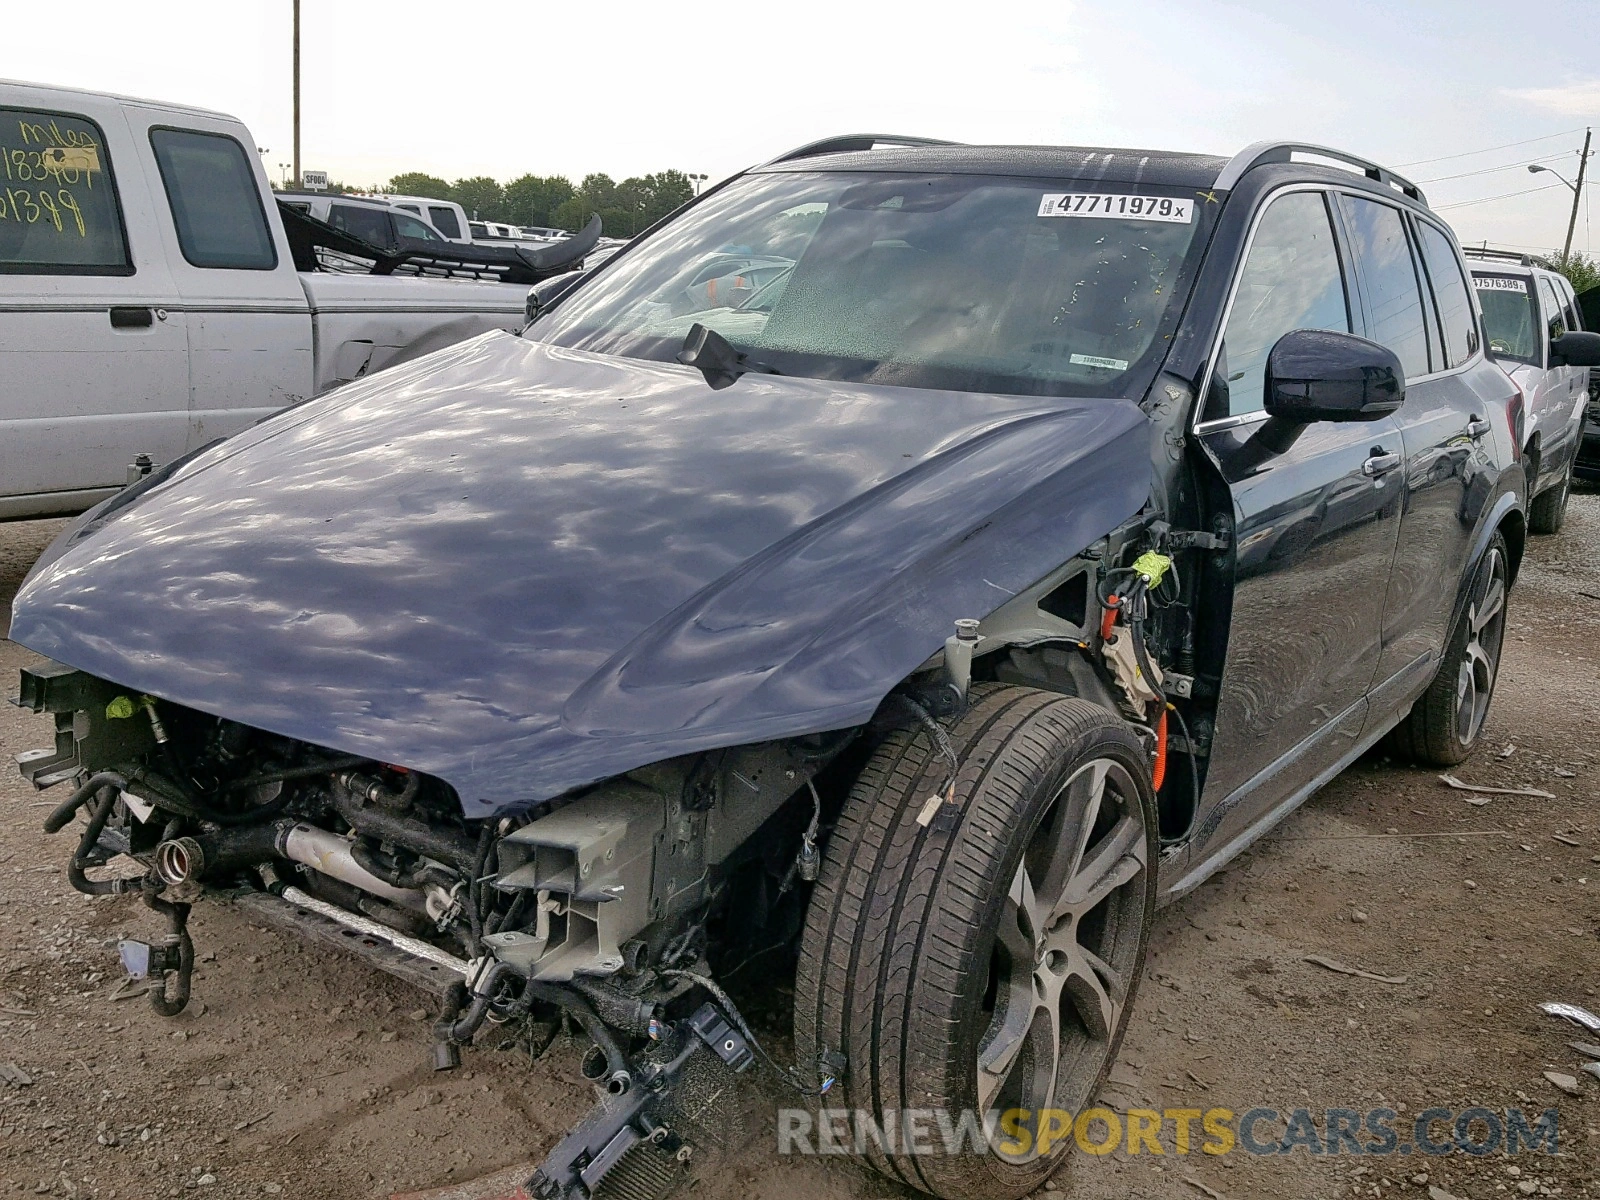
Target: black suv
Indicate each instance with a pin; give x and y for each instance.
(926, 558)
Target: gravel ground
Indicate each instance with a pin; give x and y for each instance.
(296, 1073)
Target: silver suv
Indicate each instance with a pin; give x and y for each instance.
(1525, 308)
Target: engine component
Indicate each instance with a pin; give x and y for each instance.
(440, 844)
(591, 868)
(410, 959)
(190, 859)
(638, 1144)
(958, 648)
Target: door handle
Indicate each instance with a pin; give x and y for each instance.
(1381, 463)
(132, 317)
(1477, 427)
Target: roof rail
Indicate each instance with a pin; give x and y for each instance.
(1262, 153)
(845, 142)
(1511, 256)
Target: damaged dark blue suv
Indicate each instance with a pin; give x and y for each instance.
(926, 558)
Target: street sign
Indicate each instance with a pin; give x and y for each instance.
(315, 181)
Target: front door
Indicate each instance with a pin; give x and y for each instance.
(93, 350)
(1316, 516)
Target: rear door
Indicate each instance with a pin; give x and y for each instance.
(1315, 531)
(248, 317)
(93, 351)
(1446, 421)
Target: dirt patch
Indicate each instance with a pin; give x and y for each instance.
(300, 1074)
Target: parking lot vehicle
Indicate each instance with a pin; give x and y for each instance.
(1056, 523)
(1526, 309)
(153, 303)
(448, 217)
(1588, 460)
(374, 221)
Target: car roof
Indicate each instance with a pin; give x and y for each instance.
(51, 88)
(1165, 167)
(1100, 164)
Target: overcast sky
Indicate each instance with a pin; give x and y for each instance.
(503, 87)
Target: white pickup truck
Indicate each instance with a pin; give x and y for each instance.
(149, 299)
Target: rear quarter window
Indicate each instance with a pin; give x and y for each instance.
(59, 213)
(444, 220)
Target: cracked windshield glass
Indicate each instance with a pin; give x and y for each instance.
(963, 282)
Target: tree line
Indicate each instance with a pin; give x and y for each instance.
(553, 201)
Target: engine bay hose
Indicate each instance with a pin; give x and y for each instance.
(169, 998)
(63, 812)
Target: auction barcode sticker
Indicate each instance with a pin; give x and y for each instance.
(1499, 283)
(1103, 204)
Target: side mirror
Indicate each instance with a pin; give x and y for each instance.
(1315, 375)
(543, 295)
(1575, 349)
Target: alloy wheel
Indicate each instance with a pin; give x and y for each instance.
(1067, 946)
(1480, 662)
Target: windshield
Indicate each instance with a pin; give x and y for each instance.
(1509, 319)
(965, 282)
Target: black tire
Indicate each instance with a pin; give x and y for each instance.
(1443, 727)
(1548, 512)
(907, 962)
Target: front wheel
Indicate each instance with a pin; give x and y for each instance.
(1548, 512)
(983, 963)
(1444, 725)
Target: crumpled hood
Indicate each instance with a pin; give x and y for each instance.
(524, 569)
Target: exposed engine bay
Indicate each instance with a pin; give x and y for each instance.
(601, 906)
(615, 908)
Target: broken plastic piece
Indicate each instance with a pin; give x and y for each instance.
(1452, 782)
(729, 1044)
(1571, 1012)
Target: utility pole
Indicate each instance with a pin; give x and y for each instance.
(297, 98)
(1577, 192)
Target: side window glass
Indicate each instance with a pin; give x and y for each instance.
(1510, 316)
(1389, 279)
(1460, 323)
(1291, 280)
(412, 228)
(216, 205)
(1570, 306)
(59, 213)
(444, 220)
(1556, 319)
(368, 224)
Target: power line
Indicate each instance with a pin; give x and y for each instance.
(1491, 170)
(1504, 146)
(1487, 199)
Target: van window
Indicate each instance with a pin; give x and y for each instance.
(216, 205)
(444, 220)
(1459, 322)
(59, 213)
(1291, 280)
(1389, 278)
